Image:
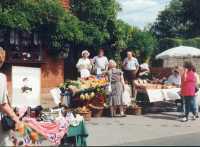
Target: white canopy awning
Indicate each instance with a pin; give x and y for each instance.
(179, 52)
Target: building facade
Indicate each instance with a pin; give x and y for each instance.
(24, 53)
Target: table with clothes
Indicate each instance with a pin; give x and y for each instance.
(76, 135)
(48, 130)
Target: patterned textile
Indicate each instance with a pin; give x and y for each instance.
(52, 131)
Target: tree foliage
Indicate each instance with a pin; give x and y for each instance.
(143, 43)
(88, 24)
(180, 19)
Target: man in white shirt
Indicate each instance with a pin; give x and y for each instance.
(130, 66)
(174, 78)
(130, 62)
(100, 62)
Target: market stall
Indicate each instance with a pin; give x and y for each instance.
(86, 96)
(157, 92)
(49, 127)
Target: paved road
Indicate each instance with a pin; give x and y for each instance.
(181, 140)
(162, 128)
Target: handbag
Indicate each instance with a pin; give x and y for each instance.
(7, 123)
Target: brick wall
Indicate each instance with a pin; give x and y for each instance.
(179, 62)
(161, 72)
(52, 74)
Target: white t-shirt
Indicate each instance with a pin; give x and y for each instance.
(3, 89)
(100, 62)
(174, 80)
(83, 64)
(131, 64)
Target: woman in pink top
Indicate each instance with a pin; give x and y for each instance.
(188, 84)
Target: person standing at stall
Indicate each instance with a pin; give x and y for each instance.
(116, 79)
(4, 105)
(131, 66)
(197, 91)
(188, 84)
(84, 64)
(174, 78)
(100, 63)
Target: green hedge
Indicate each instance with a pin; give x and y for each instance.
(168, 43)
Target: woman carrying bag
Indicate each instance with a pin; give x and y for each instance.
(5, 108)
(116, 80)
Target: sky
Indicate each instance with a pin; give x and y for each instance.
(141, 12)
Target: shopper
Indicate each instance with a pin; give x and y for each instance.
(130, 66)
(84, 64)
(4, 105)
(188, 85)
(197, 92)
(117, 81)
(100, 63)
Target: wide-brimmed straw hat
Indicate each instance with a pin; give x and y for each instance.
(85, 52)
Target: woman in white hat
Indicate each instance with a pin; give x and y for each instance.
(84, 64)
(4, 105)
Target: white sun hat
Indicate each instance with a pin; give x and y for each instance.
(85, 52)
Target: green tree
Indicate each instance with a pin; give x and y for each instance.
(169, 22)
(143, 43)
(99, 17)
(97, 12)
(180, 19)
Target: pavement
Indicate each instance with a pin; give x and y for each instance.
(151, 129)
(181, 140)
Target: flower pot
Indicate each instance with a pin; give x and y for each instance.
(138, 111)
(96, 111)
(134, 110)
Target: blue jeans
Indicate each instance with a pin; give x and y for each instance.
(190, 105)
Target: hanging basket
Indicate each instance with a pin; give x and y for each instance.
(96, 111)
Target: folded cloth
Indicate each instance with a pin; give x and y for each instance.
(74, 121)
(52, 131)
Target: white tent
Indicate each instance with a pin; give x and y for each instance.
(179, 52)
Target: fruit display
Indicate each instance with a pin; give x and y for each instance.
(84, 84)
(87, 96)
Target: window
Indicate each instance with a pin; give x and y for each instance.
(21, 46)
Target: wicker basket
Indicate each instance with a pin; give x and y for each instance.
(134, 110)
(96, 111)
(138, 111)
(87, 116)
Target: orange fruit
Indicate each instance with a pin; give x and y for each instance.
(34, 136)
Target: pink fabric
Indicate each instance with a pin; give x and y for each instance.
(22, 110)
(188, 84)
(53, 131)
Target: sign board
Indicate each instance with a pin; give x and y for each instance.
(26, 86)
